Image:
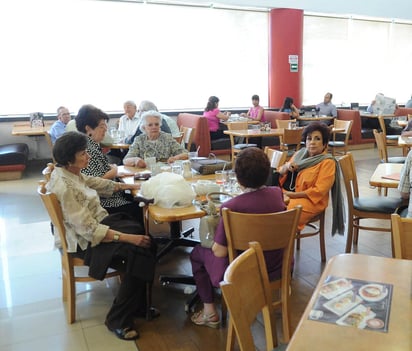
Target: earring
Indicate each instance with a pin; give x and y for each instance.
(90, 134)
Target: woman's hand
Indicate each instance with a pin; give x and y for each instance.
(139, 240)
(288, 166)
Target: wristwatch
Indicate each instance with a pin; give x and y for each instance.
(116, 237)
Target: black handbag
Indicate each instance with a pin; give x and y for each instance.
(210, 165)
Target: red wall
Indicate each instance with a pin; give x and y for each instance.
(285, 38)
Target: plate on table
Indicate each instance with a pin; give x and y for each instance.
(357, 318)
(343, 303)
(373, 292)
(335, 288)
(195, 159)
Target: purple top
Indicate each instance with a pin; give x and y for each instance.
(265, 200)
(212, 120)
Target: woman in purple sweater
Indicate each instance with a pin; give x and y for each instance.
(208, 265)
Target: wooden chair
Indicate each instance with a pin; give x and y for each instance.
(273, 231)
(179, 138)
(238, 147)
(291, 141)
(390, 140)
(284, 123)
(402, 236)
(246, 290)
(383, 154)
(359, 208)
(69, 278)
(187, 136)
(314, 229)
(340, 147)
(50, 143)
(276, 158)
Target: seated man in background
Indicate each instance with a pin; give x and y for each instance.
(326, 108)
(130, 121)
(169, 125)
(59, 127)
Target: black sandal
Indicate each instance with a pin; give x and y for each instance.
(125, 333)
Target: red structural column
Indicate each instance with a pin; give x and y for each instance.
(285, 39)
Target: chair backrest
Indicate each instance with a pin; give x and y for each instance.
(347, 166)
(55, 213)
(402, 236)
(381, 145)
(382, 125)
(409, 117)
(187, 136)
(342, 124)
(272, 230)
(237, 125)
(284, 123)
(246, 291)
(276, 158)
(292, 137)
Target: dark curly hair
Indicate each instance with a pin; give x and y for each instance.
(252, 167)
(66, 147)
(317, 126)
(91, 116)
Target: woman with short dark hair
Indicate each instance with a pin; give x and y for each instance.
(208, 265)
(102, 240)
(309, 176)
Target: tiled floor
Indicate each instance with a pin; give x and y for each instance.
(32, 316)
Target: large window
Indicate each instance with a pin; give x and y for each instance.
(72, 52)
(355, 59)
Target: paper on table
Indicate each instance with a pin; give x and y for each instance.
(393, 176)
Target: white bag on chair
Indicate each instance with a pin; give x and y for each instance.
(168, 190)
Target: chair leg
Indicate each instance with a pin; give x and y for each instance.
(349, 236)
(223, 312)
(322, 238)
(148, 300)
(231, 335)
(298, 240)
(356, 232)
(71, 296)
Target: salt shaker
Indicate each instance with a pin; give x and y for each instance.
(187, 169)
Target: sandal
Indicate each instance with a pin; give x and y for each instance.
(200, 318)
(127, 333)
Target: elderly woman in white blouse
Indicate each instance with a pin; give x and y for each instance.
(153, 143)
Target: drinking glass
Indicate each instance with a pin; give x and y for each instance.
(232, 180)
(192, 155)
(150, 162)
(221, 178)
(177, 168)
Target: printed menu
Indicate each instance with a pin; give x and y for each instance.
(353, 303)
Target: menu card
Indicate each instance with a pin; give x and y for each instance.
(353, 303)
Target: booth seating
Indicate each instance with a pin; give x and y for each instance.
(13, 160)
(202, 136)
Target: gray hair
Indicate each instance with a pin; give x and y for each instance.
(130, 102)
(150, 113)
(147, 105)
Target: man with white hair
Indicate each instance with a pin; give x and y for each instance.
(130, 121)
(59, 127)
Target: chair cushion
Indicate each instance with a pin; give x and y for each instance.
(396, 159)
(392, 137)
(14, 154)
(380, 204)
(336, 143)
(244, 146)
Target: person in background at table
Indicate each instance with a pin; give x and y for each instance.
(309, 176)
(326, 108)
(153, 143)
(129, 122)
(59, 127)
(166, 127)
(408, 104)
(256, 112)
(208, 265)
(92, 122)
(214, 116)
(290, 108)
(101, 239)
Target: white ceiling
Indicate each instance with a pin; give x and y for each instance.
(394, 9)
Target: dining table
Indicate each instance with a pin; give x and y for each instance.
(386, 175)
(369, 321)
(250, 133)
